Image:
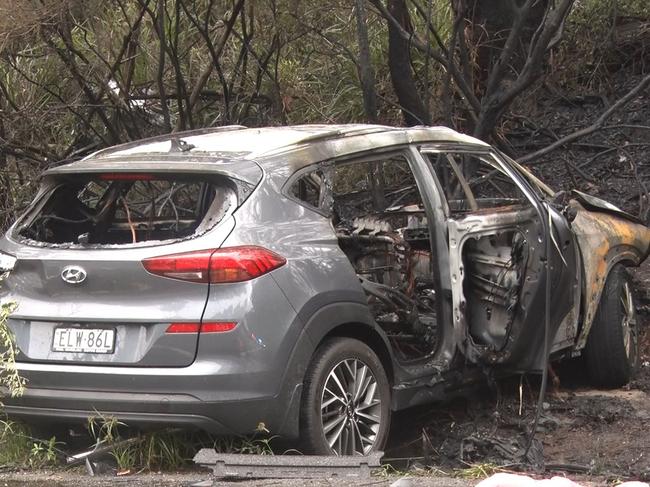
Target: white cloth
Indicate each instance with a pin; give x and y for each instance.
(512, 480)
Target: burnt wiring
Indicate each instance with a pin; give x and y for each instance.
(392, 265)
(547, 329)
(392, 298)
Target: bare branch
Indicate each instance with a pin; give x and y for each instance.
(597, 125)
(215, 53)
(444, 59)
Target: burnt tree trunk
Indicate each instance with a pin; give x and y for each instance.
(487, 29)
(508, 42)
(364, 65)
(401, 73)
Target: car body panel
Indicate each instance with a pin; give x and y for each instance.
(218, 164)
(605, 239)
(118, 293)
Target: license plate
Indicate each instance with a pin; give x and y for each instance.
(86, 340)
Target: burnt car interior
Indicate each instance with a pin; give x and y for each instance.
(381, 225)
(114, 209)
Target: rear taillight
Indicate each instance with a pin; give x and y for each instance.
(218, 327)
(230, 264)
(176, 328)
(190, 266)
(209, 327)
(236, 264)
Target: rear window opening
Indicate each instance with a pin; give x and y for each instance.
(130, 208)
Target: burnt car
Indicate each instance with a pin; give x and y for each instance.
(310, 279)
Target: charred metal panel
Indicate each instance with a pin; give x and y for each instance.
(597, 204)
(494, 271)
(238, 466)
(474, 228)
(604, 240)
(498, 276)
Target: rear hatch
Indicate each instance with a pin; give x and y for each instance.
(74, 263)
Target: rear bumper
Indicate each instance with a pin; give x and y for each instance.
(75, 416)
(194, 397)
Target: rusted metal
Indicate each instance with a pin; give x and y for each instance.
(604, 240)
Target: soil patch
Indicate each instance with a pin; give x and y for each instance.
(581, 430)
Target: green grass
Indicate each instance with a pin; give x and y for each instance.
(583, 61)
(19, 449)
(162, 450)
(10, 380)
(169, 449)
(477, 471)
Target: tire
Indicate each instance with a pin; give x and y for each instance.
(356, 423)
(612, 350)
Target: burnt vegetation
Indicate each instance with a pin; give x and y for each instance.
(543, 80)
(561, 86)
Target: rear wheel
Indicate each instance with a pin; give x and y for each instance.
(612, 350)
(346, 401)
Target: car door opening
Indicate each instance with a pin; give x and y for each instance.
(381, 226)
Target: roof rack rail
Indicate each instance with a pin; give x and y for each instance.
(164, 137)
(329, 135)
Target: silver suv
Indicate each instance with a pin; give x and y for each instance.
(312, 279)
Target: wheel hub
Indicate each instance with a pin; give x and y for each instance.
(351, 408)
(628, 324)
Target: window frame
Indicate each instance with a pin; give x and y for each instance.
(329, 165)
(480, 152)
(299, 174)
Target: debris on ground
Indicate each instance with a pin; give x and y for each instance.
(287, 466)
(513, 480)
(582, 431)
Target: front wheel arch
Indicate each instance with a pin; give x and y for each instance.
(370, 337)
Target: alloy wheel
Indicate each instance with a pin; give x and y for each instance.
(629, 324)
(351, 408)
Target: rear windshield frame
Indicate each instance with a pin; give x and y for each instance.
(214, 213)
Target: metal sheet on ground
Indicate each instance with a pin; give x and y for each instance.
(287, 466)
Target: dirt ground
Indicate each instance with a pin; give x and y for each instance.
(582, 432)
(613, 163)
